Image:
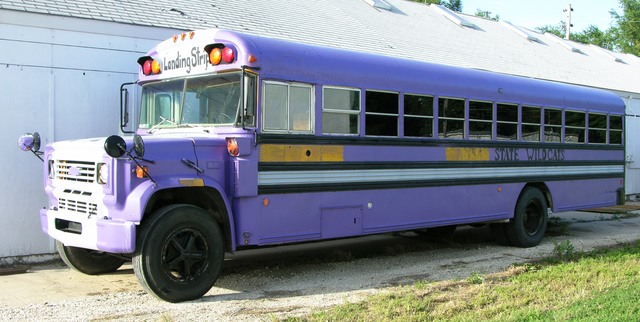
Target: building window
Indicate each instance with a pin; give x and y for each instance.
(287, 107)
(574, 127)
(507, 123)
(450, 118)
(480, 120)
(552, 125)
(531, 121)
(381, 116)
(615, 129)
(597, 128)
(340, 110)
(418, 115)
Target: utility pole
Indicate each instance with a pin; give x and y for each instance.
(569, 25)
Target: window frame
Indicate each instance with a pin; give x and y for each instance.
(601, 129)
(611, 130)
(289, 129)
(367, 113)
(491, 121)
(414, 116)
(559, 126)
(582, 127)
(337, 111)
(447, 118)
(517, 121)
(523, 123)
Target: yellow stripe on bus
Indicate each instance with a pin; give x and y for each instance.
(467, 154)
(301, 153)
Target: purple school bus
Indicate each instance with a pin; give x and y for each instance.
(246, 141)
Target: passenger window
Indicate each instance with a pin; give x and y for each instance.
(418, 115)
(480, 120)
(615, 129)
(340, 110)
(552, 125)
(381, 113)
(507, 122)
(574, 127)
(597, 128)
(287, 107)
(531, 123)
(450, 118)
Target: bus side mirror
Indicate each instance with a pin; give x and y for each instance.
(29, 142)
(115, 146)
(124, 107)
(249, 104)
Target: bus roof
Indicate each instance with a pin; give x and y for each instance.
(299, 62)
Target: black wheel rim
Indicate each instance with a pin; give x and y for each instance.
(184, 255)
(533, 216)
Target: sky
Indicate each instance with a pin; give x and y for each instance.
(537, 13)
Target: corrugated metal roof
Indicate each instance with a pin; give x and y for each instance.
(409, 29)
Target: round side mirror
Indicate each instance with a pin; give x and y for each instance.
(29, 142)
(138, 146)
(115, 146)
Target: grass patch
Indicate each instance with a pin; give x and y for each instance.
(598, 286)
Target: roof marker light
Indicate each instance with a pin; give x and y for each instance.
(155, 67)
(215, 56)
(146, 67)
(191, 34)
(227, 55)
(252, 59)
(175, 38)
(183, 36)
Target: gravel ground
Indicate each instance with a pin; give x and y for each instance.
(294, 280)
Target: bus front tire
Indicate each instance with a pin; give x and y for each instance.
(88, 261)
(529, 223)
(179, 253)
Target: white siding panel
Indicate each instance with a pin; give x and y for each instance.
(87, 103)
(25, 53)
(25, 105)
(632, 140)
(62, 82)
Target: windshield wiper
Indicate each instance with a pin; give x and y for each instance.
(162, 120)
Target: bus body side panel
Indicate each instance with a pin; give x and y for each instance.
(584, 194)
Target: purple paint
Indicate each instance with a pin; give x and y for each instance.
(382, 184)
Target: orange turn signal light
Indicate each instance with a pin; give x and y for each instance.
(142, 172)
(232, 147)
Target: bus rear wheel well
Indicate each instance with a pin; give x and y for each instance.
(206, 198)
(543, 188)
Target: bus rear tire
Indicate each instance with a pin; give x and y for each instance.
(529, 223)
(179, 253)
(88, 261)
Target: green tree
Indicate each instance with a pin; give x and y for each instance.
(626, 29)
(559, 30)
(487, 15)
(591, 35)
(455, 5)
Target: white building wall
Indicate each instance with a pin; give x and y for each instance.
(632, 140)
(60, 77)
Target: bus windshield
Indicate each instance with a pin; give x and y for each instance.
(191, 102)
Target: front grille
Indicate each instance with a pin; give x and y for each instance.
(79, 171)
(78, 206)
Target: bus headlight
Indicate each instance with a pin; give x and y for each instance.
(103, 173)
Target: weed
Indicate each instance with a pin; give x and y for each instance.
(564, 250)
(475, 278)
(557, 226)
